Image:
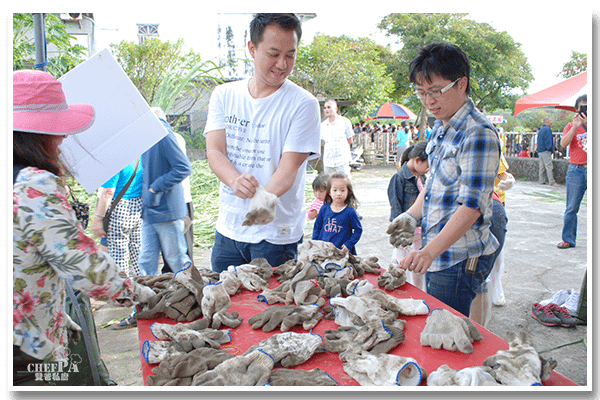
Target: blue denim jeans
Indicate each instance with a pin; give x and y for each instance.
(165, 237)
(228, 252)
(576, 187)
(456, 287)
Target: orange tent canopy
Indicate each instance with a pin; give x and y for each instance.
(562, 95)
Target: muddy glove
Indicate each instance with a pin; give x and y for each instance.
(364, 307)
(191, 339)
(506, 184)
(521, 365)
(384, 370)
(286, 316)
(472, 376)
(155, 352)
(252, 369)
(362, 265)
(215, 304)
(402, 230)
(180, 369)
(305, 292)
(289, 348)
(300, 377)
(401, 306)
(230, 280)
(163, 331)
(262, 208)
(393, 278)
(73, 329)
(359, 287)
(167, 298)
(287, 270)
(450, 332)
(346, 340)
(190, 277)
(275, 295)
(385, 346)
(248, 274)
(142, 293)
(334, 287)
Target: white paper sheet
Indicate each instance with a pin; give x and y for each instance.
(124, 126)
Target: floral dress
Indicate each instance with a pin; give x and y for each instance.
(49, 246)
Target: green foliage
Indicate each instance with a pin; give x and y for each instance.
(498, 65)
(532, 118)
(344, 68)
(69, 55)
(576, 65)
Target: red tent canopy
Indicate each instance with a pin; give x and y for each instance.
(562, 95)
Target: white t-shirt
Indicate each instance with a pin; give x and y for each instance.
(187, 191)
(258, 132)
(336, 150)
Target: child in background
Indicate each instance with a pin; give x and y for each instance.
(319, 186)
(338, 221)
(403, 189)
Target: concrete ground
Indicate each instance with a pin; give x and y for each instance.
(535, 270)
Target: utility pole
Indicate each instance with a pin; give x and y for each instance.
(40, 41)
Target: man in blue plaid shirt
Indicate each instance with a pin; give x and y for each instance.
(455, 208)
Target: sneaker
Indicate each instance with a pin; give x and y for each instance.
(544, 315)
(563, 314)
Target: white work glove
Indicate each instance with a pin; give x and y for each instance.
(163, 331)
(289, 348)
(521, 365)
(401, 306)
(472, 376)
(154, 352)
(393, 277)
(507, 183)
(359, 287)
(262, 208)
(365, 307)
(450, 332)
(215, 306)
(384, 370)
(402, 230)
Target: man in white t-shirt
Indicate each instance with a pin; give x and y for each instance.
(261, 132)
(337, 134)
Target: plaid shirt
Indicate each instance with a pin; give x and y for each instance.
(463, 160)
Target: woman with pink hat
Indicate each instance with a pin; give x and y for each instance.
(49, 245)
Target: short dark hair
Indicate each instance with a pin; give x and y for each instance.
(443, 59)
(286, 22)
(320, 182)
(581, 98)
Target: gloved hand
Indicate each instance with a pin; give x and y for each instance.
(215, 304)
(300, 377)
(393, 278)
(252, 369)
(289, 348)
(521, 365)
(507, 183)
(262, 208)
(472, 376)
(402, 230)
(73, 329)
(286, 317)
(446, 330)
(384, 370)
(180, 369)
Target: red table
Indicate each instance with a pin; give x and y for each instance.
(430, 359)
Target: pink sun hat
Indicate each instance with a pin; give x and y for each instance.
(40, 106)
